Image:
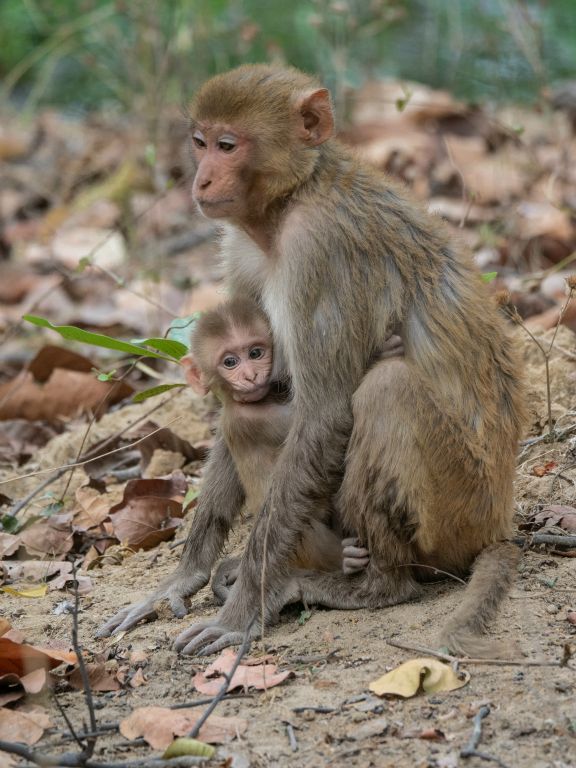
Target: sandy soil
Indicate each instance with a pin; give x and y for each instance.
(533, 708)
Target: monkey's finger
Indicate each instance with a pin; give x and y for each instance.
(208, 635)
(350, 566)
(230, 638)
(127, 618)
(353, 552)
(194, 631)
(393, 347)
(351, 542)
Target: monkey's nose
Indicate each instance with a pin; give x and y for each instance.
(204, 183)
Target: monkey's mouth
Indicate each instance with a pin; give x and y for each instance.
(214, 203)
(253, 396)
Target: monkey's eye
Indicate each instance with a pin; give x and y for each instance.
(226, 145)
(256, 353)
(230, 362)
(199, 141)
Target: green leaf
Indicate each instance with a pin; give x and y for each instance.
(487, 277)
(102, 376)
(52, 509)
(153, 391)
(72, 333)
(181, 328)
(191, 495)
(303, 618)
(170, 347)
(9, 523)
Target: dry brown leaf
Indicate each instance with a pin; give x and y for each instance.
(137, 679)
(51, 537)
(21, 659)
(101, 679)
(93, 508)
(258, 676)
(21, 727)
(159, 725)
(557, 515)
(174, 488)
(419, 675)
(8, 544)
(540, 470)
(146, 521)
(57, 573)
(66, 393)
(5, 626)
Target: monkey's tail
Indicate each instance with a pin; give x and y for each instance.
(493, 574)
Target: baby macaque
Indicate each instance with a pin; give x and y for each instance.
(232, 357)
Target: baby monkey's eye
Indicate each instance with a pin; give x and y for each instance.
(226, 146)
(256, 353)
(230, 362)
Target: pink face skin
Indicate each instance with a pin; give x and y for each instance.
(246, 366)
(221, 186)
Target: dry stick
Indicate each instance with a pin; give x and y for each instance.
(76, 737)
(566, 542)
(461, 660)
(470, 750)
(291, 737)
(515, 316)
(93, 458)
(76, 760)
(227, 679)
(91, 740)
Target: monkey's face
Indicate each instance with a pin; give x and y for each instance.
(245, 366)
(223, 179)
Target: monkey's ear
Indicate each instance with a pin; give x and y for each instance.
(316, 118)
(194, 375)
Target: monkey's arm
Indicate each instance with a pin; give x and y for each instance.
(220, 501)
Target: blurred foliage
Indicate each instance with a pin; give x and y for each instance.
(141, 55)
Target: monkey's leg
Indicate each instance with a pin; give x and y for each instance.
(220, 501)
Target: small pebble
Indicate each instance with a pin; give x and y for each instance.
(552, 608)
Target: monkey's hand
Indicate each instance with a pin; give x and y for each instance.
(392, 347)
(354, 557)
(174, 591)
(223, 579)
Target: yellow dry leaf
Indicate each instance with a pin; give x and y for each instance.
(425, 675)
(38, 591)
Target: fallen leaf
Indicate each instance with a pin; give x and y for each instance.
(93, 508)
(5, 626)
(557, 515)
(425, 675)
(543, 469)
(101, 679)
(137, 679)
(146, 521)
(259, 676)
(428, 734)
(159, 725)
(50, 537)
(56, 573)
(21, 727)
(38, 591)
(21, 659)
(8, 544)
(182, 747)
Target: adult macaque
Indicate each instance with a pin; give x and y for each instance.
(232, 356)
(421, 451)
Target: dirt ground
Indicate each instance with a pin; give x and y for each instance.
(532, 720)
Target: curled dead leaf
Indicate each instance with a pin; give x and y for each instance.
(419, 675)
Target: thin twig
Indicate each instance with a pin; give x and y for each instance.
(77, 760)
(565, 542)
(91, 740)
(470, 750)
(227, 679)
(463, 660)
(291, 737)
(76, 737)
(93, 458)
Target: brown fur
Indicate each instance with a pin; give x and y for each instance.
(421, 451)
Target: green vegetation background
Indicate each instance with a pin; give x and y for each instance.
(144, 53)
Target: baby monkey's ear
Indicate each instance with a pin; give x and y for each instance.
(194, 375)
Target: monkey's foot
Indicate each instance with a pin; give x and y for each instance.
(208, 637)
(175, 592)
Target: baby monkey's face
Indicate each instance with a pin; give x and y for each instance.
(244, 363)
